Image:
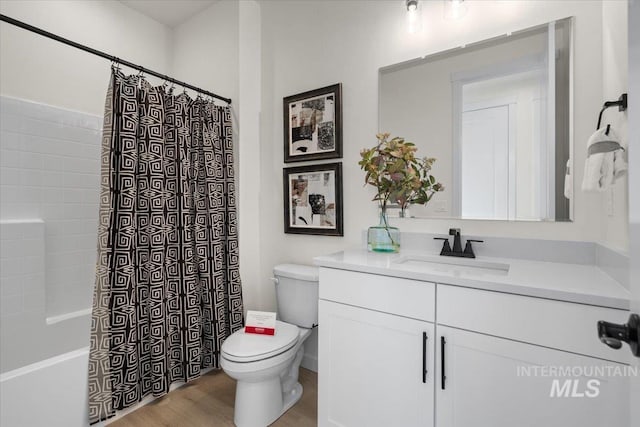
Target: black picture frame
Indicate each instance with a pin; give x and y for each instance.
(313, 125)
(313, 199)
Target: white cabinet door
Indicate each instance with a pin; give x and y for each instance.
(496, 382)
(371, 368)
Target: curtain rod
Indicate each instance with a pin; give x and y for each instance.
(112, 58)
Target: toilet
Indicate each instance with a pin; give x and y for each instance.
(266, 367)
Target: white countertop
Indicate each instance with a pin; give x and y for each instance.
(585, 284)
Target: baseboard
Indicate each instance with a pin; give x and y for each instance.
(310, 362)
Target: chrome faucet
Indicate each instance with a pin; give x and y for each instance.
(457, 245)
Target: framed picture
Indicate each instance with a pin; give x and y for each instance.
(313, 199)
(313, 125)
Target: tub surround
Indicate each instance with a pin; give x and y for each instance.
(51, 173)
(27, 333)
(578, 283)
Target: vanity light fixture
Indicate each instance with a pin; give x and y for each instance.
(454, 9)
(414, 21)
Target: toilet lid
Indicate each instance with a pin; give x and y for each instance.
(243, 347)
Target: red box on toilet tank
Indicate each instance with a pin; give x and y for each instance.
(260, 322)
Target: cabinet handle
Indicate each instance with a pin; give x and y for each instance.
(443, 377)
(424, 357)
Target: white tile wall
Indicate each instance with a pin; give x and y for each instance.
(21, 269)
(49, 170)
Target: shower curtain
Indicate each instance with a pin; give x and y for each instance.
(167, 290)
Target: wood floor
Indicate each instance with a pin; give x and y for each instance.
(208, 402)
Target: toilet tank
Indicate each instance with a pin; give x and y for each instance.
(297, 294)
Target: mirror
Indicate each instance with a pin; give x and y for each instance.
(497, 117)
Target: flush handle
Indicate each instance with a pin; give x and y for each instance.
(614, 334)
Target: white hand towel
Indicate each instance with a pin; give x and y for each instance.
(568, 181)
(620, 165)
(604, 158)
(596, 172)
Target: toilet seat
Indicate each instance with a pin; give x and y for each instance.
(242, 347)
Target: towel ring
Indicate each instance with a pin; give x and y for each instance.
(621, 103)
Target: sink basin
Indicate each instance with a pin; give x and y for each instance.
(453, 265)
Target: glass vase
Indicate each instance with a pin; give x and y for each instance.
(383, 237)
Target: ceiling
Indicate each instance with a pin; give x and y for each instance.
(169, 12)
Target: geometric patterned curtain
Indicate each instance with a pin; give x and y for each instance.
(167, 290)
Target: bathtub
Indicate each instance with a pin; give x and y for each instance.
(54, 392)
(45, 369)
(50, 393)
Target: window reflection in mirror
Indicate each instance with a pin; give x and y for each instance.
(497, 117)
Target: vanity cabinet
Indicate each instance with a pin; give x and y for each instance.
(488, 356)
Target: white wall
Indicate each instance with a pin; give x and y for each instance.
(249, 162)
(615, 56)
(205, 50)
(311, 44)
(45, 71)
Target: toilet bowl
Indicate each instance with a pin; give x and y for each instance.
(266, 372)
(266, 366)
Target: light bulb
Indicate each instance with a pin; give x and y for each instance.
(454, 9)
(414, 23)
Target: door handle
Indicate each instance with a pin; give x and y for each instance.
(613, 334)
(443, 377)
(424, 357)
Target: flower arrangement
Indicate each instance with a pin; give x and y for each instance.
(401, 178)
